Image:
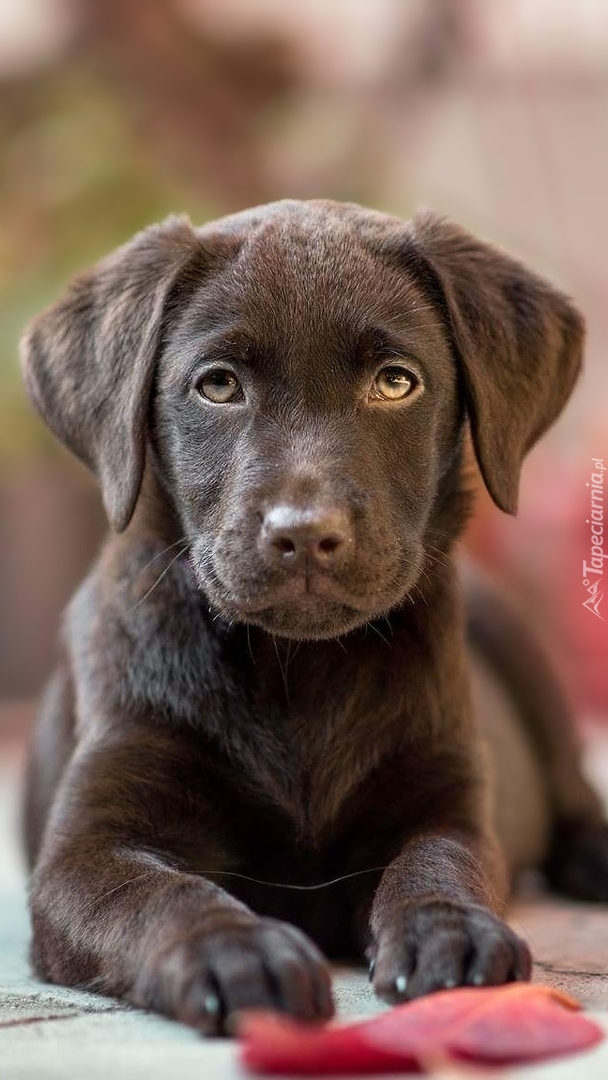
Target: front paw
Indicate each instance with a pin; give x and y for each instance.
(204, 978)
(436, 945)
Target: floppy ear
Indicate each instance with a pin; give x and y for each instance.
(88, 361)
(518, 342)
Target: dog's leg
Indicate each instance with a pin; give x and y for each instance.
(577, 858)
(50, 749)
(432, 919)
(112, 910)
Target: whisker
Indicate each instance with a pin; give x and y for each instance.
(158, 555)
(243, 877)
(380, 634)
(282, 670)
(435, 555)
(300, 888)
(249, 643)
(161, 576)
(205, 556)
(415, 588)
(116, 888)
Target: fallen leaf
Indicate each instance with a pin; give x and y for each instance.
(504, 1025)
(274, 1044)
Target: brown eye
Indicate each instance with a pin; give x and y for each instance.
(219, 386)
(393, 383)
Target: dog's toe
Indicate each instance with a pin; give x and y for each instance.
(206, 979)
(436, 945)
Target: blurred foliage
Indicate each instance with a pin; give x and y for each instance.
(139, 118)
(73, 184)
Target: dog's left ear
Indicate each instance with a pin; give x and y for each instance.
(517, 339)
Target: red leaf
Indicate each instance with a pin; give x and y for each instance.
(274, 1044)
(504, 1025)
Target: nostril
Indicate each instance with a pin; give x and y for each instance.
(328, 545)
(284, 546)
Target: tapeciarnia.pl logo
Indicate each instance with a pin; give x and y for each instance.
(593, 571)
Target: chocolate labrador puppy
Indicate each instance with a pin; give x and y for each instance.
(260, 742)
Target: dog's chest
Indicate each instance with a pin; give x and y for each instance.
(314, 741)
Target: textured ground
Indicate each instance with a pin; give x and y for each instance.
(51, 1034)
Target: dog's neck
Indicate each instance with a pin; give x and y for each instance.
(288, 710)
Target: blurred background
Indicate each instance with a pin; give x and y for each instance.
(115, 112)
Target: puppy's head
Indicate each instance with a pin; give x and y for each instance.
(298, 376)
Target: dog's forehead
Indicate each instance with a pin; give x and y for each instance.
(321, 260)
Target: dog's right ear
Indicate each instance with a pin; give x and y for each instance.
(89, 360)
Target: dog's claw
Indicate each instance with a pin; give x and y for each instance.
(212, 1004)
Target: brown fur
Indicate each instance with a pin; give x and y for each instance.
(289, 707)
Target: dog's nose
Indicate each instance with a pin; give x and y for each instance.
(290, 536)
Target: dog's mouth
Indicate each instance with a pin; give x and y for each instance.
(319, 622)
(306, 606)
